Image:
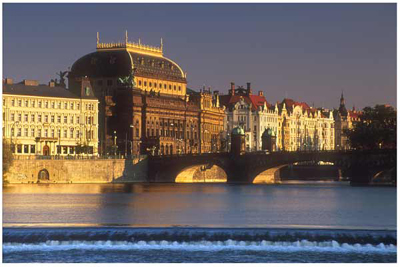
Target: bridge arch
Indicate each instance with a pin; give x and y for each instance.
(202, 173)
(271, 175)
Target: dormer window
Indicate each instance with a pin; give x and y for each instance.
(142, 61)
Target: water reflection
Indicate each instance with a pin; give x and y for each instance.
(320, 205)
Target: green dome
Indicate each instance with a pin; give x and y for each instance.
(268, 132)
(237, 131)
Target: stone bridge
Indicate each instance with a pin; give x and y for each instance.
(256, 167)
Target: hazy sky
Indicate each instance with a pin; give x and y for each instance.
(308, 52)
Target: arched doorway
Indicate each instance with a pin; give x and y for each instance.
(46, 150)
(43, 175)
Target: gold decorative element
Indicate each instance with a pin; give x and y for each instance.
(98, 38)
(131, 46)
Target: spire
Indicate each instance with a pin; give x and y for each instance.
(98, 38)
(161, 44)
(342, 99)
(139, 40)
(126, 36)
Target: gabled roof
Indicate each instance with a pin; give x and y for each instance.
(255, 100)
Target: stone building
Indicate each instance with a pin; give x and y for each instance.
(344, 120)
(251, 112)
(305, 128)
(50, 120)
(144, 105)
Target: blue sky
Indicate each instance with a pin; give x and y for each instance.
(308, 52)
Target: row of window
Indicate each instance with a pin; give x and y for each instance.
(49, 118)
(26, 132)
(170, 133)
(31, 149)
(48, 104)
(160, 85)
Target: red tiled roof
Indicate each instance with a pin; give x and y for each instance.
(255, 100)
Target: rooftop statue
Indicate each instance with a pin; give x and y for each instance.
(128, 81)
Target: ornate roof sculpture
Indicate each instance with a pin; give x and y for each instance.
(119, 59)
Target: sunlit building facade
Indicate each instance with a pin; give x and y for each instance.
(144, 103)
(49, 119)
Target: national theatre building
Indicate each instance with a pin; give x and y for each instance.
(144, 104)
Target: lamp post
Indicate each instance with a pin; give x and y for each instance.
(12, 133)
(115, 143)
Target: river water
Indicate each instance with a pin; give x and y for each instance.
(292, 222)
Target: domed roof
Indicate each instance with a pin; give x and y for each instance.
(119, 63)
(237, 131)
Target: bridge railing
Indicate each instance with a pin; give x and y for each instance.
(77, 157)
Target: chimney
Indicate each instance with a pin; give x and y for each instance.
(52, 84)
(249, 92)
(232, 90)
(8, 81)
(260, 93)
(31, 82)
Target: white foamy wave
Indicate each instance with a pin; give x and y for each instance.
(281, 246)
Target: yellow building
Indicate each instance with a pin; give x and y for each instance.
(305, 128)
(49, 120)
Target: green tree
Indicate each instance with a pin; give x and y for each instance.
(7, 158)
(376, 128)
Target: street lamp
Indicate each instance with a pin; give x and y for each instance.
(12, 133)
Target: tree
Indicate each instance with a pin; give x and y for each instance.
(376, 128)
(7, 158)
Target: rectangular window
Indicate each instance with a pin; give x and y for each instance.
(12, 132)
(33, 103)
(46, 133)
(19, 148)
(72, 133)
(59, 105)
(19, 103)
(52, 104)
(52, 133)
(12, 116)
(19, 117)
(72, 119)
(59, 119)
(40, 104)
(39, 118)
(65, 119)
(65, 105)
(72, 105)
(12, 102)
(65, 133)
(33, 149)
(39, 133)
(26, 149)
(33, 132)
(26, 132)
(78, 119)
(46, 118)
(26, 103)
(77, 133)
(52, 118)
(77, 105)
(33, 118)
(46, 104)
(25, 117)
(19, 132)
(65, 149)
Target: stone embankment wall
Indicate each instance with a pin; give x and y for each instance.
(78, 171)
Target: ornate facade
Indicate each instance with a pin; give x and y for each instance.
(144, 105)
(305, 128)
(49, 119)
(251, 112)
(294, 125)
